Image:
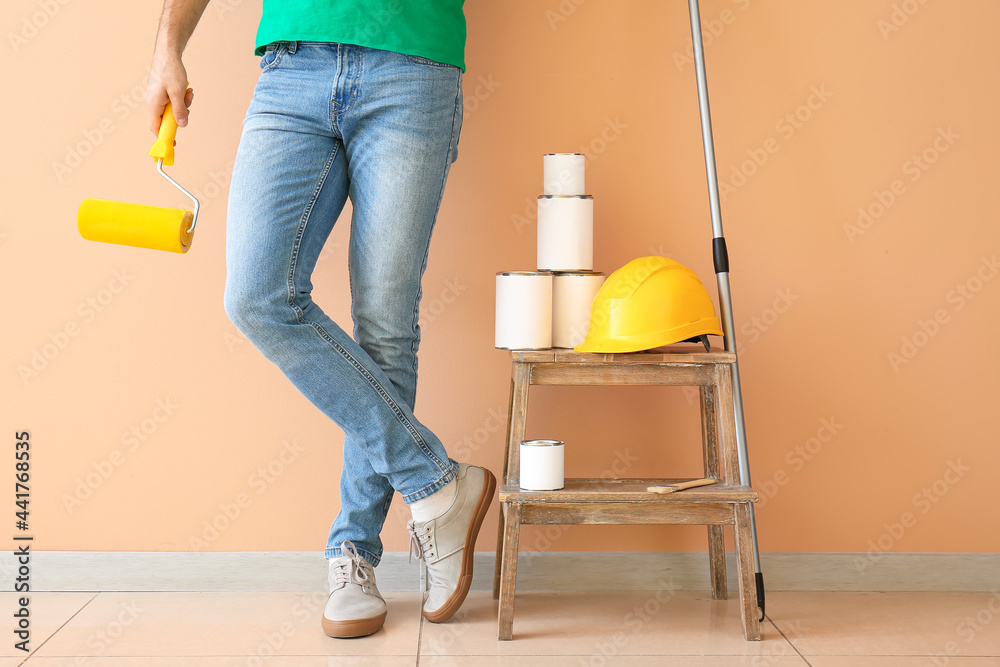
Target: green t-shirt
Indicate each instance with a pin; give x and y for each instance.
(432, 29)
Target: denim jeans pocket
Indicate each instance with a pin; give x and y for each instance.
(272, 56)
(419, 60)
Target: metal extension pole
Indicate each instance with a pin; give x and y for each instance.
(721, 259)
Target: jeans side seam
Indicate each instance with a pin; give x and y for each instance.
(300, 232)
(301, 318)
(444, 179)
(373, 381)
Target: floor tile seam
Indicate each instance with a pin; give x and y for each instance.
(223, 655)
(203, 591)
(386, 594)
(787, 640)
(63, 625)
(620, 655)
(890, 655)
(41, 592)
(33, 655)
(420, 634)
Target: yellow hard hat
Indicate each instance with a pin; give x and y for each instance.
(649, 302)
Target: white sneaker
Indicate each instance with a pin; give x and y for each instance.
(355, 607)
(447, 543)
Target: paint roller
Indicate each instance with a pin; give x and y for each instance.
(138, 225)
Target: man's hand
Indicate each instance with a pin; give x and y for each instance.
(167, 83)
(167, 76)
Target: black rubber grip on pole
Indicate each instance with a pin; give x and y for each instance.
(760, 594)
(720, 255)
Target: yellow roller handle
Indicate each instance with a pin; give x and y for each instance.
(163, 147)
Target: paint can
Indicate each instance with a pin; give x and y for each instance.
(573, 295)
(565, 233)
(563, 174)
(524, 310)
(542, 465)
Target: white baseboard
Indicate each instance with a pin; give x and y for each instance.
(537, 571)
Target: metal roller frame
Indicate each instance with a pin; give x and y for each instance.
(721, 260)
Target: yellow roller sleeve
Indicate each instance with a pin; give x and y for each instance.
(135, 225)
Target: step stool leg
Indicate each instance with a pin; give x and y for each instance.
(745, 568)
(508, 578)
(499, 559)
(503, 480)
(726, 420)
(717, 562)
(710, 451)
(518, 415)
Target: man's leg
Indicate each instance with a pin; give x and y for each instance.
(401, 135)
(288, 188)
(400, 125)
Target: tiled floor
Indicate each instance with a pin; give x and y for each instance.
(635, 629)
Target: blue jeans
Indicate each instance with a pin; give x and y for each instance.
(327, 122)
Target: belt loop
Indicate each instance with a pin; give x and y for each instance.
(293, 47)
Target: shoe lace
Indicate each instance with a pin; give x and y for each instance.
(356, 571)
(422, 547)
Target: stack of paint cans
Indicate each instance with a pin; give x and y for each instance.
(550, 306)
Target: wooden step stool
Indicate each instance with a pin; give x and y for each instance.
(626, 501)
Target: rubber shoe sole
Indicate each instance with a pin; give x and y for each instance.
(448, 609)
(359, 627)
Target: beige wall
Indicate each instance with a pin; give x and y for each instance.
(821, 302)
